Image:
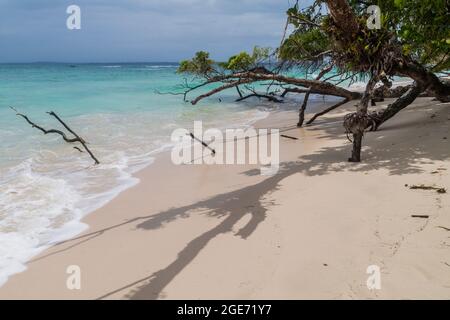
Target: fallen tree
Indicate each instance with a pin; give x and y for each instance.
(338, 45)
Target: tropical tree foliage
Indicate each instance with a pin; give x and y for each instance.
(332, 36)
(201, 64)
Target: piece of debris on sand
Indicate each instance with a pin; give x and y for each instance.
(424, 187)
(422, 216)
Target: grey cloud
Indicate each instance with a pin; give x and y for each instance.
(143, 30)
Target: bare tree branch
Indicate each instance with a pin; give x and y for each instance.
(219, 89)
(59, 132)
(333, 107)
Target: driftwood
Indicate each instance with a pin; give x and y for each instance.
(202, 142)
(76, 138)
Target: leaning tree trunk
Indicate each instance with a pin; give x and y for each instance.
(378, 118)
(356, 123)
(301, 115)
(425, 78)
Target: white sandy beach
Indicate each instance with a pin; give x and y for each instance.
(310, 231)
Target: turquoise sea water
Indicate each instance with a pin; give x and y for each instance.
(46, 186)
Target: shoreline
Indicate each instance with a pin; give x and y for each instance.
(187, 202)
(128, 179)
(76, 226)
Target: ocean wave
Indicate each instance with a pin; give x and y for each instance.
(33, 207)
(40, 210)
(161, 66)
(155, 68)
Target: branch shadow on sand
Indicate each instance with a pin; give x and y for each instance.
(394, 153)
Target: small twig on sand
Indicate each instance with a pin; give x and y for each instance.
(446, 229)
(202, 142)
(288, 137)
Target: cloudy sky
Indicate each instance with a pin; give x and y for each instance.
(137, 30)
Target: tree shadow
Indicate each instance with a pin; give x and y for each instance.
(385, 151)
(393, 153)
(232, 206)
